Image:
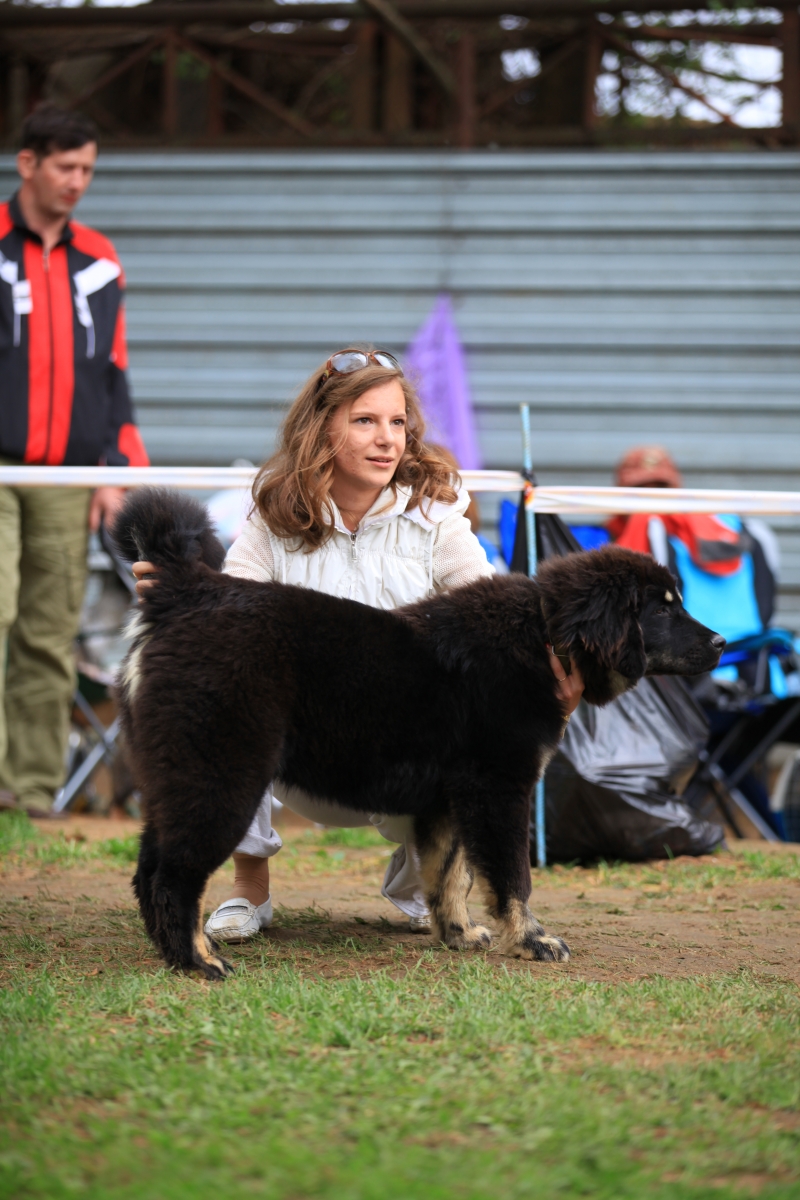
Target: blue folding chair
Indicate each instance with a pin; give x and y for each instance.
(751, 701)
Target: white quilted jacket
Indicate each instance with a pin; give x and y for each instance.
(394, 558)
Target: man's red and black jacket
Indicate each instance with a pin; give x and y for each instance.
(63, 390)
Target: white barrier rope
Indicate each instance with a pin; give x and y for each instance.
(578, 501)
(575, 501)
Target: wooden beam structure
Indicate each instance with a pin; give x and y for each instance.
(298, 123)
(142, 52)
(398, 87)
(504, 94)
(363, 79)
(790, 83)
(591, 69)
(388, 14)
(383, 72)
(22, 15)
(466, 79)
(169, 95)
(744, 34)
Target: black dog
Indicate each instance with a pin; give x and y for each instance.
(445, 710)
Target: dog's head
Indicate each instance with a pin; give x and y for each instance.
(620, 616)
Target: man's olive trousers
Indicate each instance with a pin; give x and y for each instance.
(43, 546)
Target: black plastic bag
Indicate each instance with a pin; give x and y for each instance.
(553, 537)
(613, 790)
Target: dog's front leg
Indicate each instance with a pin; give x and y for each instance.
(494, 831)
(448, 880)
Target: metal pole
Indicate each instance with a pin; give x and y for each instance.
(530, 531)
(103, 749)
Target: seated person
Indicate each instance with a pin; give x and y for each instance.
(726, 568)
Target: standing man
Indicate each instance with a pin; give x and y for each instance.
(63, 399)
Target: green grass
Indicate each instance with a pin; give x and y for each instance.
(323, 850)
(312, 1075)
(22, 842)
(360, 838)
(688, 874)
(450, 1078)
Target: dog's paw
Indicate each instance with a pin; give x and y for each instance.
(215, 968)
(474, 937)
(212, 945)
(539, 948)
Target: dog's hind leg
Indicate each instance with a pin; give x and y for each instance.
(195, 839)
(178, 901)
(494, 830)
(448, 879)
(142, 881)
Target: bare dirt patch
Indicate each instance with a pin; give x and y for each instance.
(332, 919)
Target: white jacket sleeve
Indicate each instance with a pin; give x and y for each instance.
(458, 556)
(250, 556)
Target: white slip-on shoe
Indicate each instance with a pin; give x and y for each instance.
(419, 924)
(238, 920)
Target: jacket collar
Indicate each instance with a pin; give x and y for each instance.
(387, 507)
(15, 212)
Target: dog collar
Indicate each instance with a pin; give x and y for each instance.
(559, 652)
(562, 655)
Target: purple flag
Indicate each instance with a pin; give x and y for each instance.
(435, 363)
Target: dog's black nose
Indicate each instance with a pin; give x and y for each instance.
(718, 642)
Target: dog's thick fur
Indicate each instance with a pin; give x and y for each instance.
(445, 710)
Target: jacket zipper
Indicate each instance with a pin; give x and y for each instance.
(353, 537)
(46, 266)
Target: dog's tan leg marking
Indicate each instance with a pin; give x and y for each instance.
(524, 937)
(212, 966)
(448, 880)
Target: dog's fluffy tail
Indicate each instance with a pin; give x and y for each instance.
(167, 529)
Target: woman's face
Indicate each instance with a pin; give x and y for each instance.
(374, 433)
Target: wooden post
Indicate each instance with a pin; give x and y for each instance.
(169, 97)
(17, 102)
(362, 78)
(790, 84)
(594, 54)
(465, 76)
(397, 88)
(216, 117)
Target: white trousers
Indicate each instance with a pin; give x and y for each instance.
(402, 883)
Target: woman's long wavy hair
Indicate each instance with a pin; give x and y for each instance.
(292, 490)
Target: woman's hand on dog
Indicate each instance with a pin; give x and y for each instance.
(570, 687)
(143, 572)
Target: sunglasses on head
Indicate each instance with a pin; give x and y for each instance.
(348, 361)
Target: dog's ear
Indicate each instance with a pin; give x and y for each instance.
(592, 603)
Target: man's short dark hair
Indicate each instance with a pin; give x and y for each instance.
(50, 128)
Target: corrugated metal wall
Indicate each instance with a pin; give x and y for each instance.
(628, 297)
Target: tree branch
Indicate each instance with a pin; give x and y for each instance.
(620, 44)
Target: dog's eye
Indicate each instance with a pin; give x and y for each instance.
(662, 612)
